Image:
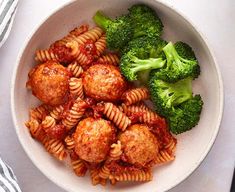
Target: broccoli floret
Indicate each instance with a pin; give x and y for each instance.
(181, 63)
(131, 65)
(119, 31)
(146, 47)
(186, 115)
(166, 95)
(145, 21)
(176, 102)
(142, 55)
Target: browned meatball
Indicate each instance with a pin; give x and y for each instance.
(139, 145)
(104, 82)
(93, 138)
(50, 83)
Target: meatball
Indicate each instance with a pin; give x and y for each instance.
(93, 138)
(50, 83)
(139, 145)
(104, 82)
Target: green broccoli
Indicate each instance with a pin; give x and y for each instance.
(166, 95)
(176, 102)
(146, 47)
(186, 115)
(145, 21)
(141, 55)
(181, 63)
(131, 65)
(119, 31)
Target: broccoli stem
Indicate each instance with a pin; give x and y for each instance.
(146, 64)
(102, 20)
(173, 57)
(171, 54)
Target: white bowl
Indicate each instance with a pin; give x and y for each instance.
(192, 147)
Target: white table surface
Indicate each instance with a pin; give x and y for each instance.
(215, 19)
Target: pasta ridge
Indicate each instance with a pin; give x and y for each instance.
(118, 117)
(75, 69)
(76, 87)
(110, 58)
(135, 95)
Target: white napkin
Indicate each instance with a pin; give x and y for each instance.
(7, 14)
(8, 182)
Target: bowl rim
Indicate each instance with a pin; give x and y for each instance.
(204, 41)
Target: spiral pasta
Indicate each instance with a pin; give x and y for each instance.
(35, 129)
(74, 114)
(95, 178)
(135, 95)
(75, 69)
(45, 55)
(100, 45)
(83, 59)
(167, 153)
(69, 142)
(38, 113)
(137, 175)
(115, 151)
(79, 167)
(163, 157)
(74, 48)
(104, 172)
(76, 87)
(57, 112)
(75, 33)
(55, 147)
(143, 106)
(94, 34)
(118, 117)
(171, 146)
(109, 58)
(145, 115)
(48, 123)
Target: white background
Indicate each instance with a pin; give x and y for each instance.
(215, 19)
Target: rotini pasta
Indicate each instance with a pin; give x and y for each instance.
(35, 129)
(100, 45)
(73, 47)
(75, 69)
(118, 117)
(109, 58)
(71, 35)
(144, 114)
(76, 87)
(79, 167)
(95, 178)
(39, 113)
(115, 151)
(45, 55)
(135, 95)
(83, 59)
(55, 147)
(75, 33)
(48, 123)
(137, 175)
(93, 34)
(104, 172)
(69, 142)
(167, 153)
(74, 114)
(57, 112)
(163, 157)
